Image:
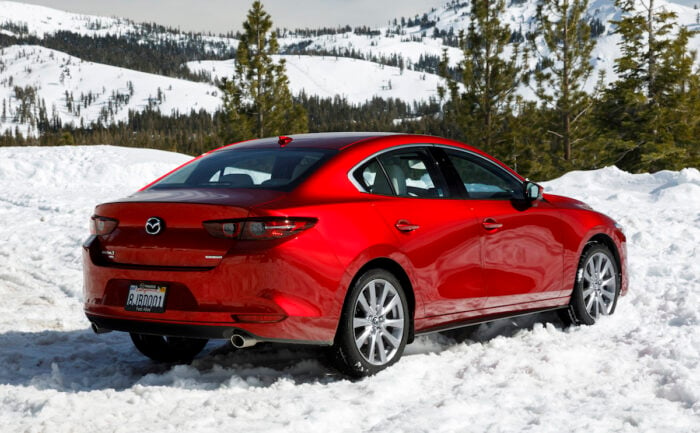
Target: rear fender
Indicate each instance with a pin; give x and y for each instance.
(380, 252)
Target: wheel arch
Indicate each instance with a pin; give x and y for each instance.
(604, 239)
(398, 271)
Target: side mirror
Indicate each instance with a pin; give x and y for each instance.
(533, 191)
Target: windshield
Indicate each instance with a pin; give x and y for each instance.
(276, 169)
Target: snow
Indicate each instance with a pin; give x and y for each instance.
(42, 21)
(54, 73)
(328, 76)
(636, 371)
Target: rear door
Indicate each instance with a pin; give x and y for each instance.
(521, 248)
(438, 234)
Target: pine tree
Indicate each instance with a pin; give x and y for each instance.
(649, 111)
(480, 104)
(564, 68)
(257, 100)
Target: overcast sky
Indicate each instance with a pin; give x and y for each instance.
(220, 16)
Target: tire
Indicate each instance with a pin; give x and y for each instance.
(168, 349)
(596, 288)
(369, 340)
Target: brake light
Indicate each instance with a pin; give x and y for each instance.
(100, 225)
(258, 229)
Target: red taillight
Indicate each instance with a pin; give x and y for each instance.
(258, 229)
(100, 225)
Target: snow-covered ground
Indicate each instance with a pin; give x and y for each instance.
(637, 371)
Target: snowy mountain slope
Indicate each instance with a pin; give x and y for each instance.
(327, 76)
(81, 92)
(107, 92)
(411, 42)
(637, 371)
(41, 21)
(33, 78)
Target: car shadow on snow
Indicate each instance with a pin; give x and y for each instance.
(73, 361)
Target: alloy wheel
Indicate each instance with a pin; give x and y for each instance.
(378, 322)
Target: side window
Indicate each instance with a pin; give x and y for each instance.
(411, 173)
(482, 179)
(372, 178)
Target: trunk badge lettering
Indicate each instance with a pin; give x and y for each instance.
(154, 225)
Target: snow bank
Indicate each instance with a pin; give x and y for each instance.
(638, 370)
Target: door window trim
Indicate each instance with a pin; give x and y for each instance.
(486, 164)
(438, 164)
(441, 181)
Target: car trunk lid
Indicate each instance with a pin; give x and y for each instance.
(164, 228)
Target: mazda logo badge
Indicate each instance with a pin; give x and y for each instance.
(154, 225)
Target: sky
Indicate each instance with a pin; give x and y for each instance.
(220, 16)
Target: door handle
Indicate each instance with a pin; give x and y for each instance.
(405, 226)
(491, 224)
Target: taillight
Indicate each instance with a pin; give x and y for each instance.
(100, 225)
(258, 229)
(223, 229)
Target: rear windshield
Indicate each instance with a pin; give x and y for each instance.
(276, 169)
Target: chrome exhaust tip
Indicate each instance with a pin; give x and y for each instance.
(240, 341)
(97, 330)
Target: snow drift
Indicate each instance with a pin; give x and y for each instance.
(638, 370)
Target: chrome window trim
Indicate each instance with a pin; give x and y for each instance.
(361, 189)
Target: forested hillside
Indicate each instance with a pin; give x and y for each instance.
(546, 85)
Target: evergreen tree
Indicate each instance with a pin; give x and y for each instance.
(565, 68)
(480, 105)
(257, 101)
(650, 111)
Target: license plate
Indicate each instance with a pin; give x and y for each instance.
(146, 298)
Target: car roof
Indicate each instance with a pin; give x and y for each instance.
(324, 140)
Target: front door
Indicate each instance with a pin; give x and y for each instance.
(521, 250)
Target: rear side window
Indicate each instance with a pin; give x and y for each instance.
(404, 173)
(278, 169)
(372, 178)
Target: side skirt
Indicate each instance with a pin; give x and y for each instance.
(485, 319)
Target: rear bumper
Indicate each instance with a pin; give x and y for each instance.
(169, 329)
(278, 294)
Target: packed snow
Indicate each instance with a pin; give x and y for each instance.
(636, 371)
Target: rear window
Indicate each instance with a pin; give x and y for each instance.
(277, 169)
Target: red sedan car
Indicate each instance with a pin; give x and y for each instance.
(351, 240)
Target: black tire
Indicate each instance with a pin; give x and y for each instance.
(168, 349)
(362, 349)
(596, 289)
